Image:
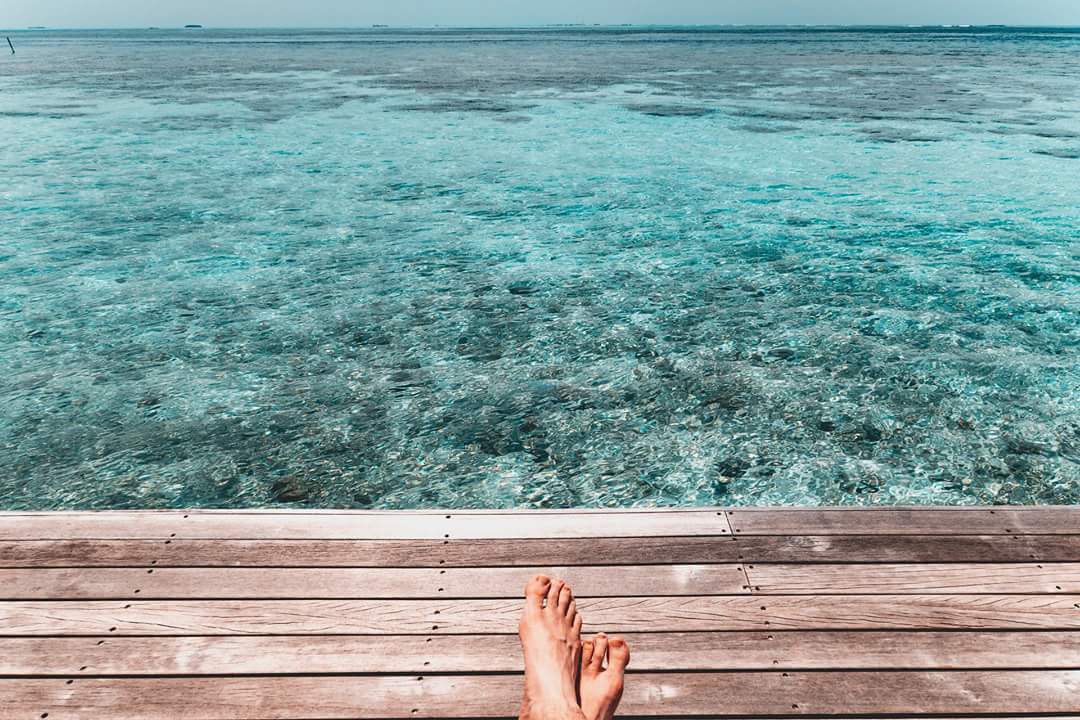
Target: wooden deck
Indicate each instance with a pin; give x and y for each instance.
(261, 615)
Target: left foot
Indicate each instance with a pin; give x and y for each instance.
(550, 633)
(602, 685)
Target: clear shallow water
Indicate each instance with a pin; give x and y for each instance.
(539, 268)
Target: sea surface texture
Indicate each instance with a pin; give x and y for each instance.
(539, 268)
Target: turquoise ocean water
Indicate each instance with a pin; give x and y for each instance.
(548, 267)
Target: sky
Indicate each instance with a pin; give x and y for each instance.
(352, 13)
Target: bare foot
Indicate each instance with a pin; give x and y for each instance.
(602, 687)
(550, 633)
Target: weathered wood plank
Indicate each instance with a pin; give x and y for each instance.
(699, 625)
(907, 548)
(271, 655)
(362, 583)
(651, 614)
(906, 521)
(357, 526)
(372, 553)
(231, 525)
(296, 511)
(700, 694)
(992, 578)
(566, 551)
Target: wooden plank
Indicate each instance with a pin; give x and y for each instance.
(662, 694)
(993, 578)
(411, 654)
(907, 548)
(298, 511)
(357, 526)
(641, 614)
(906, 521)
(178, 552)
(566, 551)
(362, 583)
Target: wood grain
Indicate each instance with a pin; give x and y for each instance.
(270, 614)
(363, 583)
(270, 655)
(629, 614)
(687, 550)
(992, 578)
(907, 521)
(652, 695)
(907, 548)
(178, 552)
(356, 526)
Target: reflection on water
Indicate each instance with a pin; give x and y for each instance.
(539, 268)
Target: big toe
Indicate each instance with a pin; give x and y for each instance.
(536, 590)
(618, 654)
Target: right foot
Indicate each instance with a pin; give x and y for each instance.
(550, 633)
(602, 687)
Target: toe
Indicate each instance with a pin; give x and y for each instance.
(571, 610)
(536, 590)
(554, 589)
(600, 647)
(566, 596)
(586, 654)
(618, 654)
(576, 627)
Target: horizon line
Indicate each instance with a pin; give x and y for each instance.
(379, 26)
